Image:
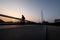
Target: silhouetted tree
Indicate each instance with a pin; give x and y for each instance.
(1, 21)
(45, 22)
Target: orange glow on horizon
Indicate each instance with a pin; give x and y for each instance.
(15, 14)
(8, 19)
(9, 13)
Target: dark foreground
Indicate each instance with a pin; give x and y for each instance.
(29, 32)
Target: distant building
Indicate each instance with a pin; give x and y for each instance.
(57, 20)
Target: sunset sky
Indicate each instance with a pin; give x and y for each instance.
(31, 9)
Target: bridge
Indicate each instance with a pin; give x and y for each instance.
(10, 17)
(13, 17)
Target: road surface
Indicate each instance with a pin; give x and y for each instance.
(29, 32)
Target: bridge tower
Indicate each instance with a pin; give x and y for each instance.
(42, 16)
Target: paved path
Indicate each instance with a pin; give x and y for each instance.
(29, 32)
(53, 32)
(25, 32)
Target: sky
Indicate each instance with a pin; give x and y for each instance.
(31, 9)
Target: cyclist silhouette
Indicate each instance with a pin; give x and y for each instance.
(23, 19)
